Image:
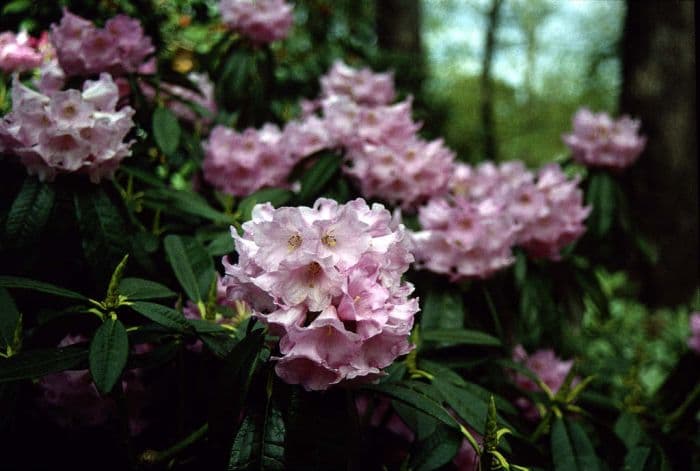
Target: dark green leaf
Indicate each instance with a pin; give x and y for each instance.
(629, 430)
(139, 289)
(275, 196)
(9, 318)
(422, 424)
(406, 393)
(571, 448)
(186, 202)
(29, 213)
(636, 458)
(460, 337)
(220, 245)
(26, 283)
(436, 450)
(37, 363)
(166, 130)
(163, 315)
(470, 408)
(316, 178)
(442, 310)
(191, 264)
(18, 6)
(207, 327)
(109, 351)
(601, 195)
(259, 443)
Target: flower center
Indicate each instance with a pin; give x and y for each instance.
(294, 242)
(69, 111)
(329, 239)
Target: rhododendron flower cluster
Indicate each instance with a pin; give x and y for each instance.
(327, 281)
(68, 131)
(84, 49)
(694, 340)
(384, 153)
(548, 367)
(470, 232)
(72, 399)
(19, 52)
(241, 163)
(263, 21)
(599, 141)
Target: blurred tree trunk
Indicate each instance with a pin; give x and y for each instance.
(487, 95)
(398, 27)
(658, 56)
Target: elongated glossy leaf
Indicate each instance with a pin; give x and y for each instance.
(166, 130)
(163, 315)
(140, 289)
(29, 213)
(437, 449)
(186, 202)
(207, 327)
(34, 285)
(460, 337)
(259, 443)
(37, 363)
(220, 245)
(181, 262)
(636, 458)
(629, 430)
(316, 178)
(109, 351)
(442, 310)
(406, 393)
(422, 424)
(470, 408)
(571, 448)
(275, 196)
(9, 317)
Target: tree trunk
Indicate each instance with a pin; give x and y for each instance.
(487, 93)
(658, 56)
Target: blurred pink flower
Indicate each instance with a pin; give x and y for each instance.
(263, 21)
(599, 141)
(363, 86)
(327, 280)
(68, 131)
(83, 49)
(242, 163)
(192, 106)
(694, 340)
(18, 52)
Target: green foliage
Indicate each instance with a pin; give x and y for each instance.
(166, 130)
(29, 213)
(109, 351)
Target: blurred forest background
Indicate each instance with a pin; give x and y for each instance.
(499, 80)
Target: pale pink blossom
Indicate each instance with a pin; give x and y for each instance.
(262, 21)
(18, 52)
(120, 48)
(68, 131)
(242, 163)
(694, 340)
(193, 106)
(363, 86)
(600, 141)
(327, 281)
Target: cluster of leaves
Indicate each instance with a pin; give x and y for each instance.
(118, 261)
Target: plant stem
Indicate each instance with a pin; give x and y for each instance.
(153, 457)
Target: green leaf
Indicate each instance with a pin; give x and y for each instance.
(163, 315)
(629, 430)
(139, 289)
(470, 408)
(103, 233)
(29, 213)
(275, 196)
(18, 6)
(26, 283)
(436, 450)
(460, 337)
(9, 318)
(220, 245)
(602, 196)
(166, 130)
(259, 443)
(202, 326)
(315, 179)
(186, 202)
(109, 351)
(442, 310)
(37, 363)
(422, 424)
(407, 393)
(571, 448)
(192, 265)
(636, 458)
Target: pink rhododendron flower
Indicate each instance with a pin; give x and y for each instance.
(83, 49)
(694, 340)
(263, 21)
(360, 85)
(18, 52)
(599, 141)
(72, 400)
(327, 280)
(68, 131)
(548, 367)
(184, 102)
(465, 239)
(242, 163)
(305, 137)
